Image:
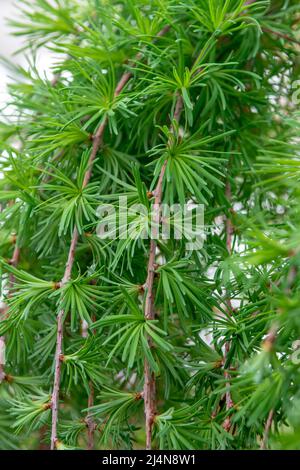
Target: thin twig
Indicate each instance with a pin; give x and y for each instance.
(97, 140)
(89, 420)
(13, 262)
(248, 3)
(149, 313)
(229, 230)
(268, 346)
(97, 143)
(281, 35)
(268, 426)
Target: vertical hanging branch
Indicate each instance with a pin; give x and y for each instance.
(13, 262)
(268, 426)
(89, 419)
(279, 34)
(268, 346)
(97, 140)
(229, 232)
(232, 94)
(149, 313)
(2, 358)
(97, 143)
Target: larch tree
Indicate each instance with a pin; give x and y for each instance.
(127, 321)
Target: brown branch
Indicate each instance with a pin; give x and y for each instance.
(229, 230)
(149, 313)
(16, 256)
(268, 346)
(270, 340)
(248, 3)
(89, 419)
(268, 426)
(281, 35)
(55, 79)
(97, 143)
(97, 140)
(2, 359)
(13, 262)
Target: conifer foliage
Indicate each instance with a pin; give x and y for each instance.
(130, 342)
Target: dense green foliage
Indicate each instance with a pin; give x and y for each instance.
(227, 315)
